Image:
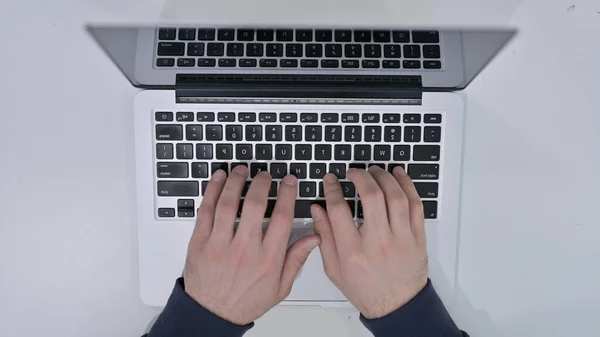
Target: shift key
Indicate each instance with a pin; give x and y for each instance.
(423, 171)
(177, 188)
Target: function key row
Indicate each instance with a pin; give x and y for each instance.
(301, 35)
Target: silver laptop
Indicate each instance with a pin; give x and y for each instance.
(298, 100)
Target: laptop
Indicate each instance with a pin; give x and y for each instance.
(298, 100)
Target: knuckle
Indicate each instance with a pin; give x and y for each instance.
(205, 209)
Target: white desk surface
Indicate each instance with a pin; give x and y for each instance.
(530, 231)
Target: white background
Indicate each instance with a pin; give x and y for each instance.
(529, 250)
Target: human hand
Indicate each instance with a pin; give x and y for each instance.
(237, 274)
(382, 265)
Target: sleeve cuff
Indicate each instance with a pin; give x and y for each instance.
(183, 317)
(423, 316)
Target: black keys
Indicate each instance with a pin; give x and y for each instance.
(343, 35)
(303, 152)
(265, 35)
(224, 151)
(204, 186)
(206, 62)
(186, 62)
(350, 64)
(401, 152)
(304, 35)
(323, 35)
(393, 64)
(433, 118)
(432, 134)
(204, 151)
(199, 170)
(206, 34)
(266, 63)
(308, 189)
(254, 133)
(171, 49)
(330, 64)
(245, 34)
(169, 132)
(411, 64)
(314, 133)
(171, 170)
(309, 118)
(392, 134)
(381, 36)
(273, 190)
(166, 212)
(185, 208)
(242, 152)
(426, 153)
(382, 152)
(431, 52)
(185, 213)
(256, 168)
(371, 64)
(333, 133)
(314, 50)
(348, 189)
(309, 63)
(373, 50)
(285, 35)
(427, 190)
(247, 117)
(184, 116)
(193, 132)
(322, 152)
(215, 166)
(412, 118)
(167, 33)
(391, 167)
(412, 51)
(358, 165)
(283, 152)
(391, 118)
(432, 64)
(391, 51)
(264, 151)
(215, 49)
(353, 134)
(214, 132)
(293, 133)
(235, 49)
(329, 118)
(278, 170)
(339, 170)
(362, 36)
(423, 171)
(299, 170)
(430, 209)
(412, 134)
(164, 151)
(424, 36)
(378, 164)
(353, 51)
(288, 117)
(267, 117)
(234, 165)
(226, 34)
(333, 50)
(288, 63)
(402, 36)
(362, 152)
(254, 49)
(175, 188)
(342, 152)
(187, 34)
(370, 118)
(372, 133)
(273, 133)
(274, 49)
(350, 118)
(163, 116)
(293, 50)
(195, 49)
(165, 62)
(359, 210)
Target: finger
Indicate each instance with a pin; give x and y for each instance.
(227, 206)
(373, 202)
(294, 260)
(255, 205)
(329, 254)
(415, 206)
(206, 211)
(395, 199)
(278, 233)
(346, 235)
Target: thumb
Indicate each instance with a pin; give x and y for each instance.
(294, 260)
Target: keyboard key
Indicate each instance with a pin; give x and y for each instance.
(268, 63)
(171, 170)
(225, 34)
(165, 62)
(372, 134)
(381, 36)
(350, 64)
(299, 170)
(370, 64)
(370, 118)
(314, 133)
(412, 51)
(353, 134)
(169, 132)
(432, 134)
(245, 34)
(393, 64)
(243, 152)
(333, 50)
(362, 152)
(412, 118)
(184, 116)
(350, 118)
(193, 132)
(401, 152)
(285, 35)
(362, 36)
(278, 170)
(274, 49)
(235, 49)
(254, 133)
(204, 186)
(412, 134)
(303, 152)
(186, 62)
(309, 63)
(287, 63)
(333, 133)
(171, 49)
(185, 213)
(214, 132)
(226, 116)
(348, 189)
(392, 134)
(293, 50)
(206, 62)
(391, 118)
(342, 152)
(423, 36)
(206, 34)
(288, 117)
(267, 117)
(339, 170)
(177, 188)
(391, 51)
(391, 167)
(283, 152)
(314, 50)
(309, 117)
(430, 209)
(353, 51)
(264, 35)
(167, 33)
(293, 133)
(304, 35)
(373, 50)
(329, 118)
(431, 52)
(426, 153)
(264, 151)
(224, 151)
(195, 49)
(330, 64)
(377, 164)
(254, 49)
(323, 35)
(166, 212)
(205, 116)
(322, 152)
(273, 133)
(247, 117)
(358, 166)
(187, 34)
(163, 116)
(423, 171)
(199, 170)
(215, 166)
(433, 118)
(343, 35)
(164, 151)
(411, 64)
(427, 190)
(382, 153)
(256, 168)
(273, 190)
(402, 36)
(432, 64)
(227, 62)
(359, 210)
(204, 151)
(308, 189)
(215, 49)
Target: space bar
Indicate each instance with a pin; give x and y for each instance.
(303, 207)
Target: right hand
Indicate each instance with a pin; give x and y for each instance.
(383, 265)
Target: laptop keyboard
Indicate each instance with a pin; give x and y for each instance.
(191, 145)
(298, 48)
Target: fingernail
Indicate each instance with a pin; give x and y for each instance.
(290, 180)
(241, 169)
(316, 213)
(375, 167)
(219, 175)
(330, 178)
(400, 170)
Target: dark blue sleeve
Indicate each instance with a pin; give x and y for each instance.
(424, 316)
(183, 317)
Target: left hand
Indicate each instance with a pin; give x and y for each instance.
(237, 274)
